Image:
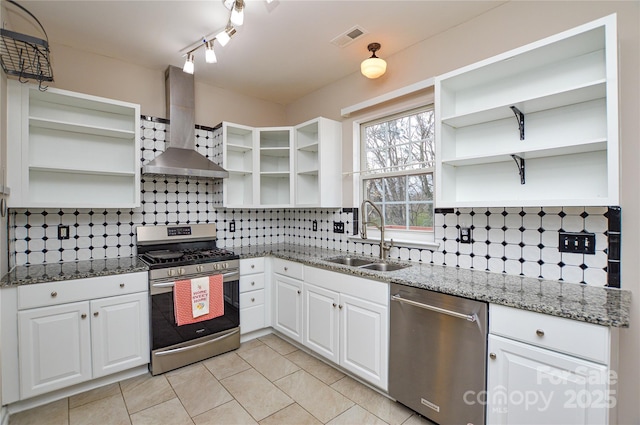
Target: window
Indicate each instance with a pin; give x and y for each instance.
(397, 160)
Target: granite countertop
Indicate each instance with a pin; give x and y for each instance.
(592, 304)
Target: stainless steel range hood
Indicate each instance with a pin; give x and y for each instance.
(180, 157)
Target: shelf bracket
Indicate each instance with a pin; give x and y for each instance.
(520, 118)
(520, 163)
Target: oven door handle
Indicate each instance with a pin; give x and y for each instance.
(171, 284)
(191, 347)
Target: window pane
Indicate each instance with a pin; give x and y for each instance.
(421, 216)
(373, 190)
(420, 187)
(395, 189)
(395, 216)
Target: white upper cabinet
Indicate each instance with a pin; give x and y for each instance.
(283, 166)
(69, 149)
(536, 126)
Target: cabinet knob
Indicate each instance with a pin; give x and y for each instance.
(84, 316)
(334, 305)
(122, 285)
(298, 291)
(253, 283)
(540, 332)
(95, 314)
(340, 306)
(253, 299)
(492, 356)
(54, 294)
(253, 266)
(286, 269)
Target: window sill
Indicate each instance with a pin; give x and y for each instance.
(399, 243)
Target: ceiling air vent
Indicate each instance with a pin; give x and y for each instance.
(349, 36)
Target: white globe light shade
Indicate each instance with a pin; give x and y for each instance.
(373, 67)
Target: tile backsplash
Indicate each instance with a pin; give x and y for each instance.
(518, 241)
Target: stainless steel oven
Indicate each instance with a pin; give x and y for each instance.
(184, 252)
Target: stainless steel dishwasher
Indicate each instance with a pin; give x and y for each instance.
(438, 354)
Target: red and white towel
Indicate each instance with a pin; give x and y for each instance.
(196, 300)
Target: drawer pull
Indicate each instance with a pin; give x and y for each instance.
(253, 299)
(286, 269)
(54, 294)
(492, 356)
(540, 332)
(253, 266)
(95, 314)
(84, 316)
(253, 283)
(122, 285)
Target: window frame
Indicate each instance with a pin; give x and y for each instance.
(405, 238)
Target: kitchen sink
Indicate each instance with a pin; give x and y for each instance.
(383, 267)
(349, 261)
(363, 263)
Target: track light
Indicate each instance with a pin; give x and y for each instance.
(209, 53)
(228, 3)
(237, 13)
(373, 67)
(225, 35)
(188, 64)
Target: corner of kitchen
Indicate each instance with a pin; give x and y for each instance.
(439, 243)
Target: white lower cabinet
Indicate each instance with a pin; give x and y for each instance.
(287, 290)
(70, 332)
(252, 295)
(545, 369)
(346, 320)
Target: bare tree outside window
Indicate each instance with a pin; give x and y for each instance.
(397, 169)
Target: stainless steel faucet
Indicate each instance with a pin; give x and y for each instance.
(384, 246)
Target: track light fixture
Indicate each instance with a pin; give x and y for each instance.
(188, 64)
(209, 53)
(373, 67)
(237, 13)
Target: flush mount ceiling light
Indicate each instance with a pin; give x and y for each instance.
(373, 67)
(236, 19)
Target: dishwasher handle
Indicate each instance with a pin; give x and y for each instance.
(470, 317)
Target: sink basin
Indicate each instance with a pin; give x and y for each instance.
(383, 267)
(349, 261)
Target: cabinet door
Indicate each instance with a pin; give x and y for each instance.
(321, 321)
(364, 336)
(288, 306)
(119, 333)
(531, 385)
(54, 348)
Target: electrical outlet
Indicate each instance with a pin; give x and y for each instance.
(465, 235)
(338, 227)
(577, 243)
(63, 231)
(315, 225)
(232, 226)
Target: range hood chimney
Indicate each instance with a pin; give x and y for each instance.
(180, 157)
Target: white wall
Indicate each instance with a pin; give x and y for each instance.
(506, 27)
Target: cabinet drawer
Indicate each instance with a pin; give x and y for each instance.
(250, 299)
(251, 319)
(53, 293)
(288, 268)
(579, 339)
(251, 282)
(251, 265)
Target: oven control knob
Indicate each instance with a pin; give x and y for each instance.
(200, 269)
(170, 272)
(181, 272)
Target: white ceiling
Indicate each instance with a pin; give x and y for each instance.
(281, 53)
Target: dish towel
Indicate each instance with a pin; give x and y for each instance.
(196, 300)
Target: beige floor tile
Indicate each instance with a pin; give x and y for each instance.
(256, 394)
(249, 345)
(225, 365)
(197, 389)
(269, 363)
(291, 415)
(313, 395)
(278, 344)
(170, 412)
(107, 411)
(317, 368)
(93, 395)
(145, 391)
(227, 414)
(381, 406)
(418, 420)
(55, 413)
(356, 415)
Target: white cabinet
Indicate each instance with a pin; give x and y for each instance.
(535, 126)
(287, 289)
(346, 320)
(252, 295)
(68, 149)
(283, 166)
(73, 331)
(318, 163)
(546, 369)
